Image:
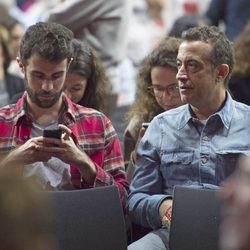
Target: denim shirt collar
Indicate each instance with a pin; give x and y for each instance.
(225, 113)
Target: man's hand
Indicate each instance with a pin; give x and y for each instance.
(66, 150)
(164, 207)
(26, 154)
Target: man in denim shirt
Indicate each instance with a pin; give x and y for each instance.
(196, 144)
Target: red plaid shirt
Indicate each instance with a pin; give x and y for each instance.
(92, 132)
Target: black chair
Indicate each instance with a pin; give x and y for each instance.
(90, 219)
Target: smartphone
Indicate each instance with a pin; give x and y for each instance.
(52, 133)
(145, 124)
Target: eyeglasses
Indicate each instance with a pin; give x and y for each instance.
(171, 89)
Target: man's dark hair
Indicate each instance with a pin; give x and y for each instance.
(49, 40)
(222, 48)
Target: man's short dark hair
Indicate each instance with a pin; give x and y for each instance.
(49, 40)
(222, 48)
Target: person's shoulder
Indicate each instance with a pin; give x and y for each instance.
(85, 111)
(80, 112)
(241, 106)
(242, 111)
(15, 80)
(90, 116)
(8, 113)
(133, 126)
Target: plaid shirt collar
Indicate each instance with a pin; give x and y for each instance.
(23, 115)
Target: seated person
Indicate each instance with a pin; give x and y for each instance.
(239, 84)
(9, 84)
(86, 83)
(88, 154)
(196, 144)
(157, 91)
(235, 225)
(24, 216)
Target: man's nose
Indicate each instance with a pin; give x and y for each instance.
(47, 85)
(181, 73)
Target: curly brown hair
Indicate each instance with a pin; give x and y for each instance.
(145, 106)
(4, 43)
(242, 51)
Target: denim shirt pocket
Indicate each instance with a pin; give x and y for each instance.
(225, 163)
(176, 167)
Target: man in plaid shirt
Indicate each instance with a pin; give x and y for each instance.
(88, 154)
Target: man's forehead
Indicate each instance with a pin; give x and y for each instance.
(37, 58)
(38, 63)
(194, 49)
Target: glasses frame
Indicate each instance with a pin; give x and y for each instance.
(161, 90)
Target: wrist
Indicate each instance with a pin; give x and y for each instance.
(166, 219)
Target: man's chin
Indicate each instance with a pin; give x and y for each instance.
(45, 104)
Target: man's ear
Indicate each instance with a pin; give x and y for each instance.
(69, 62)
(20, 64)
(223, 71)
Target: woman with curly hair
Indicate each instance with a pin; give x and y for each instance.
(157, 91)
(239, 84)
(86, 83)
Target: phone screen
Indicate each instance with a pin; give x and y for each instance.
(52, 133)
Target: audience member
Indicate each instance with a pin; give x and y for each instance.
(9, 84)
(185, 22)
(235, 225)
(195, 144)
(156, 91)
(16, 30)
(24, 214)
(88, 153)
(239, 84)
(86, 82)
(233, 14)
(103, 25)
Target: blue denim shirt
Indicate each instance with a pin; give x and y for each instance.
(178, 149)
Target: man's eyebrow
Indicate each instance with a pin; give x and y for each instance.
(40, 72)
(59, 72)
(37, 72)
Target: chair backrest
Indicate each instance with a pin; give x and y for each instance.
(90, 219)
(195, 219)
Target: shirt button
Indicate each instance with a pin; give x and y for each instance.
(204, 160)
(25, 137)
(205, 138)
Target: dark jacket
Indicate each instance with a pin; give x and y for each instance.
(234, 13)
(239, 87)
(14, 85)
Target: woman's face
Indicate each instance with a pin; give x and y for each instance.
(16, 33)
(165, 87)
(75, 86)
(1, 54)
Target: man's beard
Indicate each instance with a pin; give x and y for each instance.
(34, 97)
